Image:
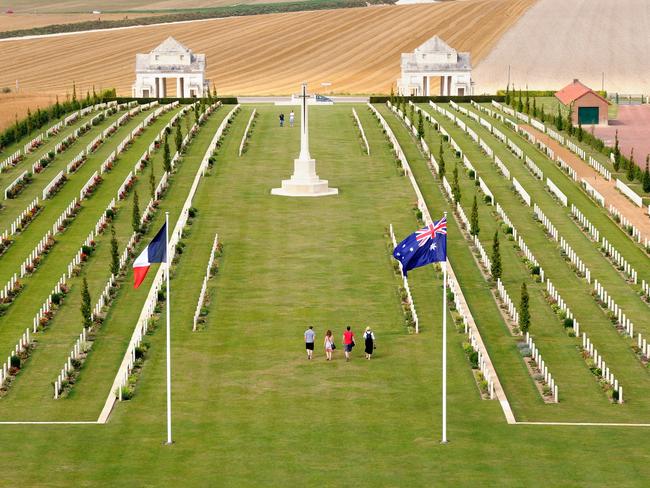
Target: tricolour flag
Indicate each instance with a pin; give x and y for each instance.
(428, 245)
(155, 252)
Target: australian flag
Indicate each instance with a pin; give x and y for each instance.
(428, 245)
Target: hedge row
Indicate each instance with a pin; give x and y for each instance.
(439, 99)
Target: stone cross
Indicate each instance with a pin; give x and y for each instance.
(304, 126)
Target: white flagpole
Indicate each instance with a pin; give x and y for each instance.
(444, 348)
(169, 360)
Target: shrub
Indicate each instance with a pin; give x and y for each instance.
(568, 322)
(192, 212)
(15, 362)
(56, 298)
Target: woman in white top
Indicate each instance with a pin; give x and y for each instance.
(329, 344)
(369, 340)
(292, 117)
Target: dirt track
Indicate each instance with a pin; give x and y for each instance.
(357, 50)
(558, 40)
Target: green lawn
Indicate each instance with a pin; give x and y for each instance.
(249, 409)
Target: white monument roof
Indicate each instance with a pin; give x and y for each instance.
(435, 55)
(170, 57)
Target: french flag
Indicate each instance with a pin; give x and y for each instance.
(155, 252)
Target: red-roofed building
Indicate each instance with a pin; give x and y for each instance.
(588, 107)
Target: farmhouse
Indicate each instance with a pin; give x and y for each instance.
(435, 59)
(588, 107)
(170, 61)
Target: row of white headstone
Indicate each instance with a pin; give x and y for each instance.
(53, 185)
(20, 222)
(204, 285)
(543, 367)
(618, 258)
(76, 163)
(605, 372)
(507, 301)
(612, 306)
(407, 288)
(18, 181)
(628, 226)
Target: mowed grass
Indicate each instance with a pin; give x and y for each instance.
(249, 410)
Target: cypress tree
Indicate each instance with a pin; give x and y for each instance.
(115, 254)
(630, 167)
(534, 107)
(420, 126)
(496, 257)
(580, 131)
(559, 122)
(617, 153)
(197, 114)
(646, 175)
(507, 99)
(441, 161)
(392, 96)
(520, 103)
(179, 138)
(569, 121)
(455, 186)
(474, 227)
(86, 309)
(542, 115)
(167, 160)
(152, 181)
(135, 218)
(527, 107)
(412, 112)
(524, 312)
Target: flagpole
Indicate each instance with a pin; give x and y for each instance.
(444, 349)
(169, 365)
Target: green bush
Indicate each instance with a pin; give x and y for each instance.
(15, 362)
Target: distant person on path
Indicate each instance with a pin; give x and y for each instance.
(348, 342)
(281, 120)
(329, 344)
(292, 117)
(369, 339)
(310, 336)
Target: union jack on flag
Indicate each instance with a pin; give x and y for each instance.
(424, 246)
(430, 231)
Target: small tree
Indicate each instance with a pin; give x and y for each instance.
(167, 159)
(569, 120)
(559, 122)
(534, 107)
(580, 131)
(617, 153)
(646, 175)
(135, 220)
(179, 138)
(524, 312)
(507, 99)
(496, 257)
(152, 181)
(542, 115)
(474, 227)
(115, 254)
(455, 186)
(630, 167)
(86, 309)
(527, 105)
(441, 161)
(520, 103)
(420, 126)
(392, 95)
(412, 113)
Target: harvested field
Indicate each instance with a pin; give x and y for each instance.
(270, 54)
(556, 41)
(16, 105)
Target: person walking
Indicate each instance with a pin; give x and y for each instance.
(329, 344)
(348, 342)
(310, 337)
(281, 120)
(292, 118)
(369, 339)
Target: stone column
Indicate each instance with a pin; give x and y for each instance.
(179, 88)
(160, 87)
(443, 85)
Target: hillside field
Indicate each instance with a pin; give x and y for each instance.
(357, 50)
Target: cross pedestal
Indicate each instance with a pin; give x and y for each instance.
(304, 181)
